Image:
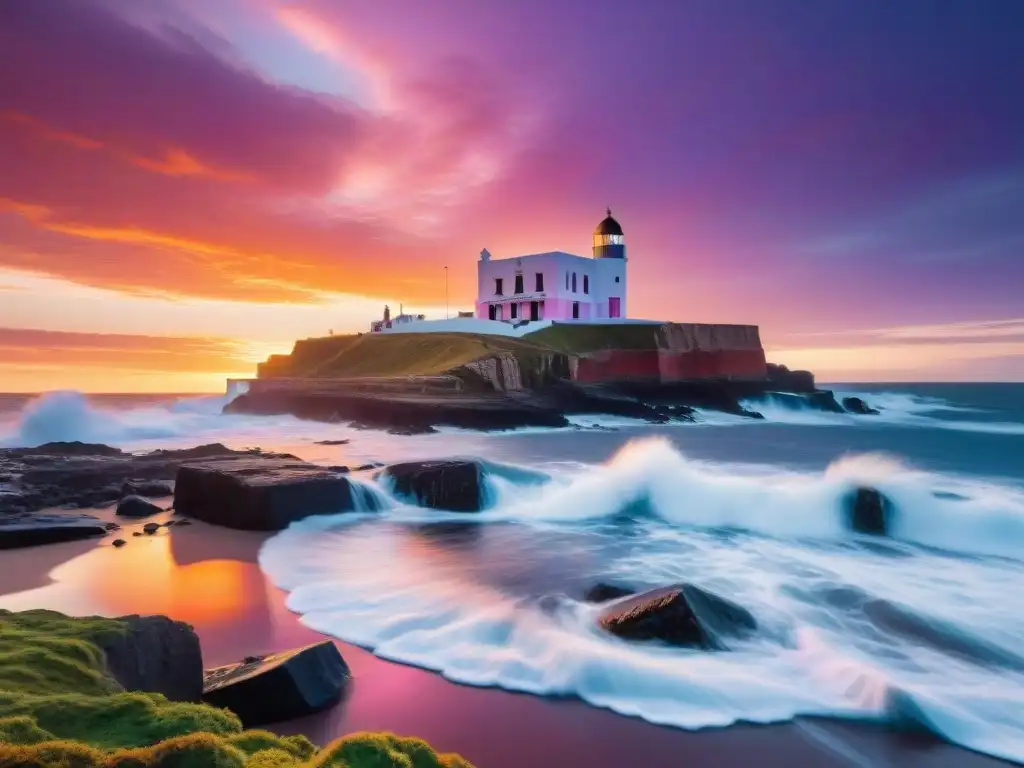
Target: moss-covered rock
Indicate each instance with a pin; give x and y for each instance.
(61, 708)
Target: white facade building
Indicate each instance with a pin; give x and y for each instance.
(557, 285)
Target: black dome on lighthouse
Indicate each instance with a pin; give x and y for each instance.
(608, 226)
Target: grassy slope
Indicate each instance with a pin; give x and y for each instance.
(59, 707)
(426, 354)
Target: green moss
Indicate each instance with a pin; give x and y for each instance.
(61, 708)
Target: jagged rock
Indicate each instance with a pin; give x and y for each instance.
(142, 488)
(119, 542)
(156, 655)
(60, 448)
(136, 506)
(455, 485)
(858, 406)
(279, 686)
(682, 615)
(260, 494)
(32, 530)
(823, 400)
(150, 528)
(602, 593)
(868, 511)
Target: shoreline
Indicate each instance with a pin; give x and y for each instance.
(208, 577)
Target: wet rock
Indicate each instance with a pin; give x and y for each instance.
(157, 655)
(259, 494)
(150, 528)
(681, 615)
(31, 530)
(455, 486)
(602, 593)
(279, 686)
(179, 523)
(136, 533)
(153, 490)
(858, 406)
(868, 511)
(118, 542)
(136, 506)
(112, 526)
(823, 400)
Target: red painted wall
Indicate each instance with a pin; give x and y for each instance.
(668, 366)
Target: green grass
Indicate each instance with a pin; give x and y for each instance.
(60, 708)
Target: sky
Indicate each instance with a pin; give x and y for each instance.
(187, 186)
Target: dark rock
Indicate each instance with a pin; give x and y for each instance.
(602, 593)
(136, 506)
(333, 442)
(119, 542)
(136, 533)
(169, 523)
(682, 615)
(259, 494)
(786, 380)
(156, 655)
(179, 523)
(823, 400)
(454, 485)
(112, 527)
(150, 528)
(280, 686)
(199, 452)
(858, 406)
(868, 511)
(365, 467)
(75, 448)
(153, 490)
(33, 530)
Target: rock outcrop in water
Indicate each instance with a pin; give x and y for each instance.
(868, 511)
(453, 486)
(22, 529)
(260, 493)
(858, 406)
(681, 615)
(279, 686)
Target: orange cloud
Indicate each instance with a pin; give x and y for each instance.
(178, 162)
(46, 132)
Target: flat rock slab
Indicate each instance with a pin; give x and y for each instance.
(32, 529)
(260, 494)
(681, 615)
(279, 686)
(454, 486)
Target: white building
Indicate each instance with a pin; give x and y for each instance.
(556, 285)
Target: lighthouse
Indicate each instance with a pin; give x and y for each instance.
(556, 285)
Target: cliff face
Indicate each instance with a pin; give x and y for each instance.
(682, 352)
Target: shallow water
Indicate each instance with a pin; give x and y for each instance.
(927, 625)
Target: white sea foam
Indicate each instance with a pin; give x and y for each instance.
(776, 541)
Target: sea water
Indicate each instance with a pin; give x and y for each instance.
(923, 628)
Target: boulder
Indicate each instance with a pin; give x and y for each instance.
(136, 506)
(278, 686)
(868, 511)
(681, 615)
(454, 485)
(602, 593)
(156, 655)
(33, 530)
(150, 528)
(858, 406)
(260, 494)
(119, 543)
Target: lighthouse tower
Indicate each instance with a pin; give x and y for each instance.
(608, 239)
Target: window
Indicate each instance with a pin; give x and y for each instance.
(586, 283)
(616, 278)
(574, 282)
(614, 307)
(575, 310)
(567, 281)
(519, 283)
(540, 282)
(498, 290)
(515, 311)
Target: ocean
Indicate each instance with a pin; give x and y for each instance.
(923, 628)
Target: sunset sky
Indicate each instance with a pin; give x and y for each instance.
(189, 185)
